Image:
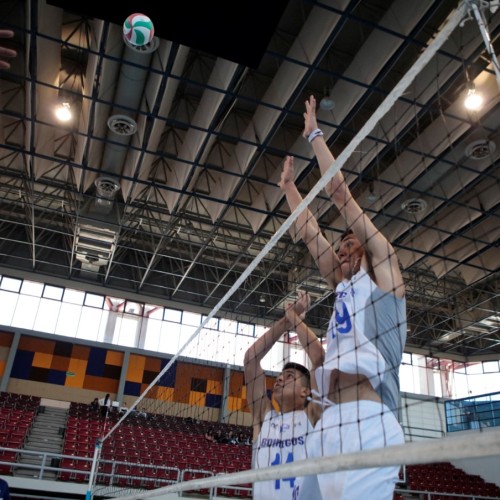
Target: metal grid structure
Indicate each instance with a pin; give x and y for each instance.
(164, 186)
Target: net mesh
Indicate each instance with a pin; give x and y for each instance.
(156, 414)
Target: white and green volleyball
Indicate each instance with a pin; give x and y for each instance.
(138, 29)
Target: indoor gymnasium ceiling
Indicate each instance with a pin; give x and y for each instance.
(164, 186)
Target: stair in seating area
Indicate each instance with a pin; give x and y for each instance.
(45, 435)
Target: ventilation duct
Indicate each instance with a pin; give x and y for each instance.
(96, 231)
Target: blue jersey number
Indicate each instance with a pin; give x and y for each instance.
(343, 322)
(277, 461)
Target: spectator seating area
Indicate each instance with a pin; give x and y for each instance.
(149, 450)
(17, 413)
(443, 478)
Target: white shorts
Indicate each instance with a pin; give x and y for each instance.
(365, 425)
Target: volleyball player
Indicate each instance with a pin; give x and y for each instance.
(359, 380)
(279, 436)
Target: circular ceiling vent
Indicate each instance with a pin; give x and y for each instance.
(122, 125)
(478, 150)
(414, 205)
(106, 187)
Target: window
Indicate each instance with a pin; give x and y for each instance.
(73, 296)
(11, 284)
(53, 292)
(93, 300)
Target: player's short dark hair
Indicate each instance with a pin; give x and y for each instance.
(301, 368)
(344, 235)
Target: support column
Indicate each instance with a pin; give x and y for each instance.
(10, 361)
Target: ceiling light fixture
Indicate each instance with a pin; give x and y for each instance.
(63, 112)
(327, 103)
(372, 195)
(473, 100)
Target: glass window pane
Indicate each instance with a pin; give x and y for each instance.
(104, 326)
(73, 296)
(26, 311)
(245, 329)
(173, 315)
(406, 358)
(8, 301)
(169, 339)
(11, 284)
(47, 316)
(69, 319)
(242, 344)
(93, 300)
(186, 333)
(213, 324)
(89, 324)
(32, 288)
(53, 292)
(153, 312)
(189, 318)
(153, 333)
(491, 367)
(474, 368)
(228, 325)
(127, 330)
(133, 308)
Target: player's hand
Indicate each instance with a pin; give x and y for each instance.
(292, 317)
(310, 122)
(4, 51)
(302, 304)
(287, 172)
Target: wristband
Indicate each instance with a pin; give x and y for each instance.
(315, 133)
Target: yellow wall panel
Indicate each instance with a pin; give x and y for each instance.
(114, 358)
(78, 367)
(196, 398)
(42, 360)
(233, 403)
(136, 366)
(214, 387)
(162, 393)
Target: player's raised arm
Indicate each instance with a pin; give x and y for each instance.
(383, 260)
(309, 230)
(255, 378)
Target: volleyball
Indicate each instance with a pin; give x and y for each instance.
(138, 29)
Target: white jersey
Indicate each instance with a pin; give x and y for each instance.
(366, 335)
(282, 439)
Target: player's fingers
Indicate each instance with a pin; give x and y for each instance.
(6, 33)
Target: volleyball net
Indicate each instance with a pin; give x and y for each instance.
(154, 411)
